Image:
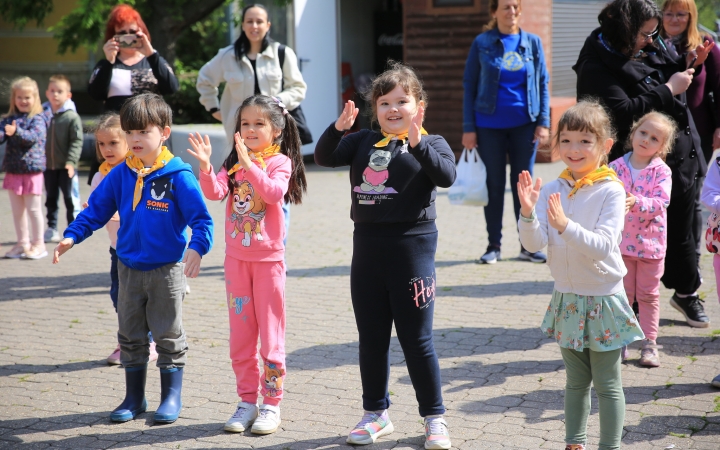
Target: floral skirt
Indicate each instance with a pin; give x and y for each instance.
(599, 323)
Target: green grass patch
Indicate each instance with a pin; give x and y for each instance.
(691, 358)
(75, 321)
(679, 435)
(717, 404)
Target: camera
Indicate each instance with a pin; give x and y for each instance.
(128, 41)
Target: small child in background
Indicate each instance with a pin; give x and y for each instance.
(579, 217)
(265, 168)
(647, 180)
(62, 152)
(158, 198)
(111, 149)
(24, 130)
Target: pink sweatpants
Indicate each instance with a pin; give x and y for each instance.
(642, 283)
(22, 207)
(256, 306)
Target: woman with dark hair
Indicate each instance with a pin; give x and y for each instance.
(628, 67)
(131, 65)
(250, 66)
(506, 111)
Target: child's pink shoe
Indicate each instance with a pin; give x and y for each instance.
(114, 358)
(153, 352)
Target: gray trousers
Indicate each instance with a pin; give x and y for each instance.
(151, 301)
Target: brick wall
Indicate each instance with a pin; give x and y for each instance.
(437, 47)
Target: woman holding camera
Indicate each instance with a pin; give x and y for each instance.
(131, 65)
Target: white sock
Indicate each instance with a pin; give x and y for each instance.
(694, 294)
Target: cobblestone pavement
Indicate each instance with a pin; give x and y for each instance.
(503, 382)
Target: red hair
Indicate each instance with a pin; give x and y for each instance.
(121, 15)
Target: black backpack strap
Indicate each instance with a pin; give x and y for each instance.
(281, 57)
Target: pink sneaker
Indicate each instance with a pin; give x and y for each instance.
(114, 358)
(153, 352)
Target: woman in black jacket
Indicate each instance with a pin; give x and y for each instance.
(627, 67)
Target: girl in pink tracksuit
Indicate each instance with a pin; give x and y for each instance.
(647, 181)
(265, 168)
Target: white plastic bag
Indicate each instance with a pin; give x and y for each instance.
(470, 186)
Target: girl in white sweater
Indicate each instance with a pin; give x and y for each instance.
(579, 217)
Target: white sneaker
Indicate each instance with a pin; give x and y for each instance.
(187, 289)
(370, 428)
(437, 436)
(35, 252)
(16, 252)
(52, 235)
(243, 417)
(268, 420)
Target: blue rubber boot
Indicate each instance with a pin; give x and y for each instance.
(134, 403)
(170, 390)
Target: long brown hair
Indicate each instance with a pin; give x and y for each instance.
(397, 74)
(587, 116)
(691, 37)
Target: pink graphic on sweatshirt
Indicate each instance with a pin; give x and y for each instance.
(376, 174)
(645, 231)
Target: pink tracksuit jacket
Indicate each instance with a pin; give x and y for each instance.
(645, 231)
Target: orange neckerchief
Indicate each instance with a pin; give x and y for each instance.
(389, 137)
(601, 173)
(259, 156)
(105, 168)
(136, 165)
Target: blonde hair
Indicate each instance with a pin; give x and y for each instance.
(666, 123)
(107, 122)
(494, 5)
(691, 37)
(24, 83)
(587, 116)
(60, 78)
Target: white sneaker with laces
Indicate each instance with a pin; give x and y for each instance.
(243, 417)
(437, 435)
(268, 420)
(370, 428)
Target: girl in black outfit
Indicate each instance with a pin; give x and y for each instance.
(626, 65)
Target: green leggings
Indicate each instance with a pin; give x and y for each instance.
(602, 369)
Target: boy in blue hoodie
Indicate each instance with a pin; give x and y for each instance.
(158, 197)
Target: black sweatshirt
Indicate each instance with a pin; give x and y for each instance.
(151, 74)
(393, 186)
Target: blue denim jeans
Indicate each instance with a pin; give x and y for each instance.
(496, 147)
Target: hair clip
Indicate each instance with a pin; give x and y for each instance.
(280, 104)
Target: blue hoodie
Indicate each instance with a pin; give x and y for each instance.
(154, 234)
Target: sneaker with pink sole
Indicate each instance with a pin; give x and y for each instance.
(114, 358)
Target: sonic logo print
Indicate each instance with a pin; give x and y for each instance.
(273, 379)
(422, 290)
(161, 189)
(248, 212)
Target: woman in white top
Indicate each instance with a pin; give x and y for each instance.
(250, 66)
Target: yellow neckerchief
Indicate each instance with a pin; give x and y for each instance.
(601, 173)
(389, 137)
(259, 156)
(105, 168)
(136, 165)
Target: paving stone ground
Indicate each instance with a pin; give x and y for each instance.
(503, 382)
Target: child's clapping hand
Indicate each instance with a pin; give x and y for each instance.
(629, 202)
(202, 152)
(242, 152)
(528, 193)
(347, 117)
(555, 213)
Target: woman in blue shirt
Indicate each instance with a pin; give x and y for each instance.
(506, 111)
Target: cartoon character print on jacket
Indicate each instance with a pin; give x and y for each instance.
(376, 174)
(248, 212)
(273, 379)
(161, 189)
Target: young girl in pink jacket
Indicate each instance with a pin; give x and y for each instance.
(265, 167)
(647, 181)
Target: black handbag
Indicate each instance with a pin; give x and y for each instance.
(297, 113)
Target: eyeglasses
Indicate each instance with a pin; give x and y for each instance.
(127, 32)
(647, 37)
(681, 16)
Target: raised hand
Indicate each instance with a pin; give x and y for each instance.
(64, 245)
(146, 49)
(528, 193)
(414, 134)
(202, 152)
(11, 128)
(347, 116)
(242, 152)
(111, 49)
(556, 214)
(701, 52)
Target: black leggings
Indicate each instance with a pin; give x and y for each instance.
(392, 279)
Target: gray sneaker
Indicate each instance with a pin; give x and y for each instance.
(491, 256)
(52, 235)
(244, 415)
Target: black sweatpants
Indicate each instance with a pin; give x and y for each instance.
(392, 279)
(57, 181)
(681, 262)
